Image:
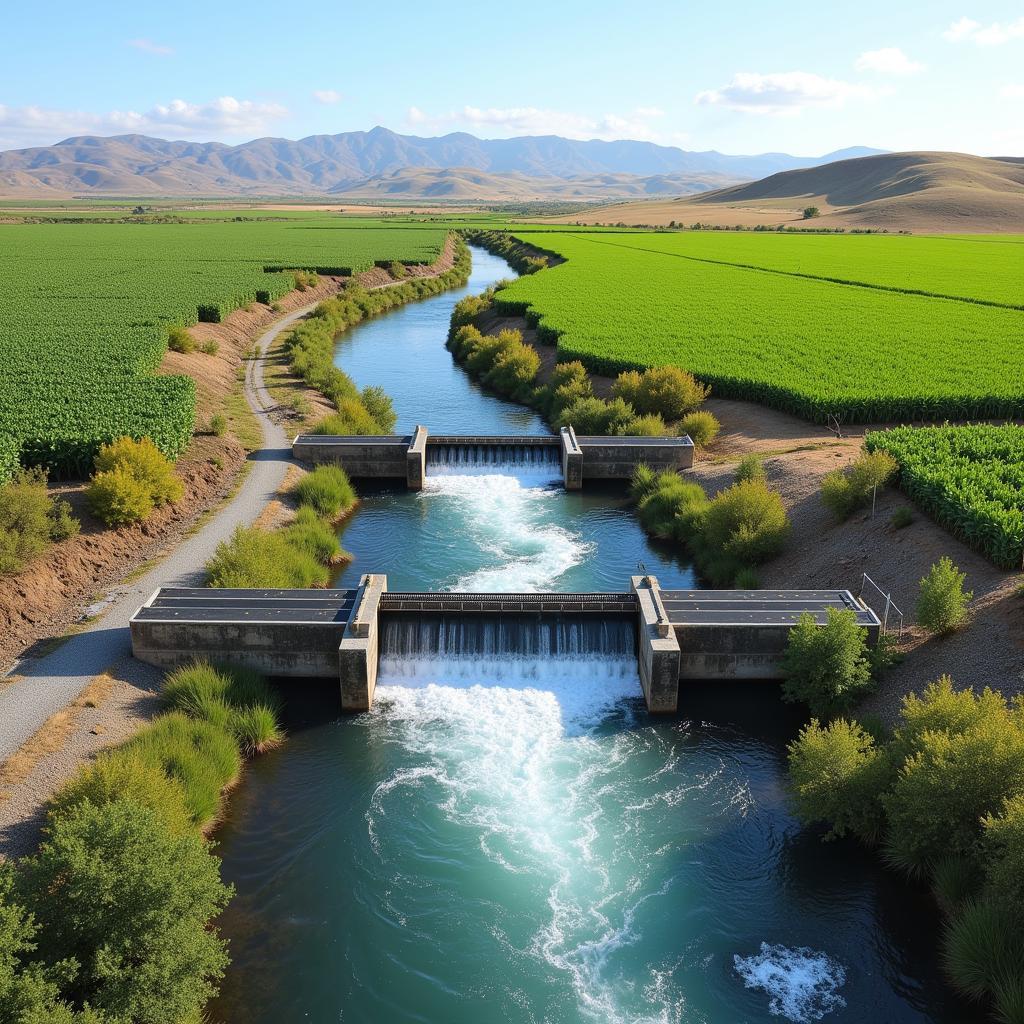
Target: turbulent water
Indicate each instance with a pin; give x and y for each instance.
(508, 836)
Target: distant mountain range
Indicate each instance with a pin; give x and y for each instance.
(377, 163)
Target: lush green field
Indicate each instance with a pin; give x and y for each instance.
(85, 310)
(813, 347)
(970, 479)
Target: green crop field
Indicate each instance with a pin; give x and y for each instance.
(970, 479)
(85, 310)
(814, 347)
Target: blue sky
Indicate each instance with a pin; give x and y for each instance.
(740, 77)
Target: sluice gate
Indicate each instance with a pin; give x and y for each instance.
(414, 457)
(674, 635)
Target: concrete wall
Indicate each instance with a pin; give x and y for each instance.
(657, 648)
(617, 458)
(273, 648)
(361, 457)
(416, 460)
(359, 650)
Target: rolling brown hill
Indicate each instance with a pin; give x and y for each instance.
(919, 191)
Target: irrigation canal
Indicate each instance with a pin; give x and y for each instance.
(516, 840)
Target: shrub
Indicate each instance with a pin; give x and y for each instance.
(179, 340)
(751, 467)
(845, 490)
(942, 602)
(378, 404)
(747, 579)
(515, 367)
(123, 775)
(1003, 848)
(826, 667)
(256, 558)
(305, 279)
(201, 755)
(210, 347)
(569, 383)
(118, 498)
(30, 519)
(644, 480)
(398, 270)
(256, 729)
(835, 774)
(810, 212)
(129, 900)
(595, 416)
(954, 882)
(672, 507)
(218, 425)
(309, 533)
(668, 391)
(327, 491)
(902, 517)
(146, 463)
(651, 425)
(746, 523)
(701, 427)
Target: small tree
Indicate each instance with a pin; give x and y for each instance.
(826, 667)
(810, 212)
(942, 603)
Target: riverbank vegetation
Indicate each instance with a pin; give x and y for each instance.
(968, 479)
(132, 479)
(941, 796)
(729, 535)
(854, 340)
(110, 922)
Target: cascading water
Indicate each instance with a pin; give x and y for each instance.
(504, 459)
(508, 836)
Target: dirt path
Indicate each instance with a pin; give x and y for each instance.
(42, 686)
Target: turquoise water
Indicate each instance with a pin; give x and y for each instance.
(519, 841)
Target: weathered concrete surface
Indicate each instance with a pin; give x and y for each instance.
(367, 457)
(416, 460)
(572, 460)
(358, 653)
(615, 458)
(657, 648)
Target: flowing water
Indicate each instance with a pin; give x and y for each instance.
(508, 836)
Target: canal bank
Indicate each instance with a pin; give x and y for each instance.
(529, 846)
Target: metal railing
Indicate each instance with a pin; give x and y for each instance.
(890, 606)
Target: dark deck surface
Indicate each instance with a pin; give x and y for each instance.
(200, 604)
(758, 607)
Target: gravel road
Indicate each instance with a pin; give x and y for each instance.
(40, 687)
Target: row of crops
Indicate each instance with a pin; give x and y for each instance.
(970, 479)
(85, 311)
(812, 347)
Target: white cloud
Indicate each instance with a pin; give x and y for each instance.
(148, 46)
(783, 92)
(967, 29)
(890, 60)
(328, 96)
(539, 121)
(224, 117)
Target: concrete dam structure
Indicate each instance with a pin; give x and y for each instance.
(674, 635)
(413, 457)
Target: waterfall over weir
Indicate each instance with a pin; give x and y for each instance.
(505, 650)
(485, 459)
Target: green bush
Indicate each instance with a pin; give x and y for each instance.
(673, 507)
(701, 427)
(257, 558)
(378, 404)
(118, 498)
(256, 729)
(667, 391)
(569, 383)
(751, 467)
(835, 775)
(210, 347)
(902, 517)
(201, 755)
(745, 524)
(826, 667)
(1003, 849)
(981, 947)
(644, 480)
(845, 490)
(218, 425)
(747, 579)
(595, 416)
(942, 602)
(123, 775)
(954, 882)
(179, 340)
(327, 490)
(651, 425)
(128, 900)
(30, 519)
(309, 533)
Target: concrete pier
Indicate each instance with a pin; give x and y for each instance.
(572, 460)
(416, 460)
(680, 634)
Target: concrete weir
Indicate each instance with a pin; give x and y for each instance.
(680, 634)
(413, 457)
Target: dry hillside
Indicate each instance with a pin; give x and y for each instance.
(895, 191)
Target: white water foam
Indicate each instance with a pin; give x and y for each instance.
(802, 985)
(508, 518)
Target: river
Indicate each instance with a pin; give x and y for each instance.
(515, 839)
